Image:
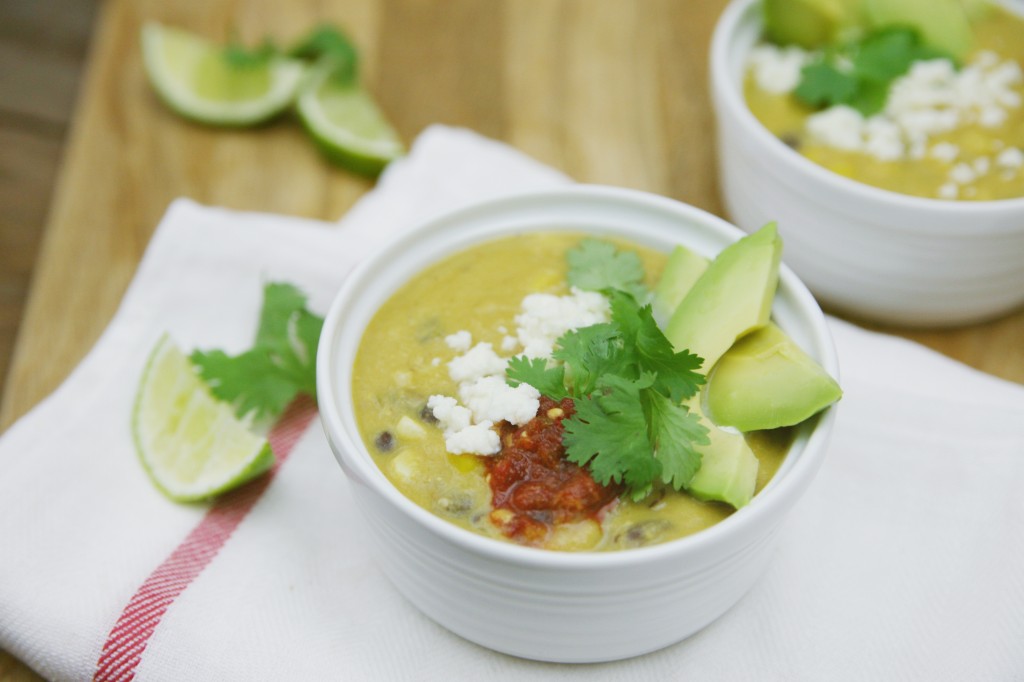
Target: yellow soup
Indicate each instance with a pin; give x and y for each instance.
(986, 161)
(402, 361)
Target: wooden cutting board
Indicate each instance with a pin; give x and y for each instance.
(608, 91)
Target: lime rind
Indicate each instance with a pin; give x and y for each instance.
(345, 122)
(190, 443)
(180, 92)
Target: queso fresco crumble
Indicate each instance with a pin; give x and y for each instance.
(480, 372)
(944, 131)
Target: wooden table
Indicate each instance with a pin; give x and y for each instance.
(608, 91)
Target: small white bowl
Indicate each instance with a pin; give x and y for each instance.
(869, 252)
(538, 604)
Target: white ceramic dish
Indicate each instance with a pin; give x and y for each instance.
(873, 253)
(534, 603)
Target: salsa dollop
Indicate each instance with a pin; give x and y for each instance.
(534, 485)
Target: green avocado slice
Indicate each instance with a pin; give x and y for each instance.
(766, 381)
(732, 298)
(728, 468)
(682, 270)
(808, 23)
(943, 24)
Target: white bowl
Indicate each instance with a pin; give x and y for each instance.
(869, 252)
(538, 604)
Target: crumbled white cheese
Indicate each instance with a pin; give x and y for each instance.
(435, 362)
(450, 415)
(777, 69)
(948, 190)
(492, 399)
(981, 165)
(883, 140)
(459, 341)
(546, 317)
(962, 174)
(476, 439)
(1010, 158)
(840, 126)
(486, 398)
(932, 98)
(479, 361)
(945, 151)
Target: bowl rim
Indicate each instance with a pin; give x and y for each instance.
(734, 17)
(768, 506)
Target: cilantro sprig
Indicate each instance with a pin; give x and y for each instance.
(239, 56)
(324, 42)
(628, 385)
(860, 73)
(327, 42)
(596, 265)
(280, 365)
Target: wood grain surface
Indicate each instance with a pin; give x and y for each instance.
(609, 91)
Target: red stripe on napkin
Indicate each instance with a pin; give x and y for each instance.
(130, 635)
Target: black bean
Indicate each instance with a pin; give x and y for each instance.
(791, 140)
(644, 533)
(384, 441)
(427, 415)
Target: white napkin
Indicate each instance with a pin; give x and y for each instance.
(904, 561)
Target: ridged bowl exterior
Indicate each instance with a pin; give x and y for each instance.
(537, 604)
(875, 254)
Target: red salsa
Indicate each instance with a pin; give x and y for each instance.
(534, 486)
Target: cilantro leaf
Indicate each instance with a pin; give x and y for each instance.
(869, 67)
(550, 381)
(239, 56)
(330, 42)
(280, 365)
(590, 353)
(822, 84)
(596, 265)
(675, 373)
(250, 381)
(674, 433)
(889, 53)
(608, 434)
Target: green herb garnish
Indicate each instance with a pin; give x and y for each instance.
(628, 385)
(596, 265)
(241, 57)
(329, 42)
(280, 365)
(860, 73)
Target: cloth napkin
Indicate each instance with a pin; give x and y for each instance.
(904, 561)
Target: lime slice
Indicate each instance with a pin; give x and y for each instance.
(345, 122)
(195, 79)
(191, 444)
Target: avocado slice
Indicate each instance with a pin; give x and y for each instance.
(943, 24)
(728, 469)
(809, 23)
(682, 270)
(766, 381)
(732, 297)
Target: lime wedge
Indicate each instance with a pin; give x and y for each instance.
(345, 122)
(191, 444)
(195, 78)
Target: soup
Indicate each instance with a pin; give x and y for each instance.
(404, 359)
(942, 148)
